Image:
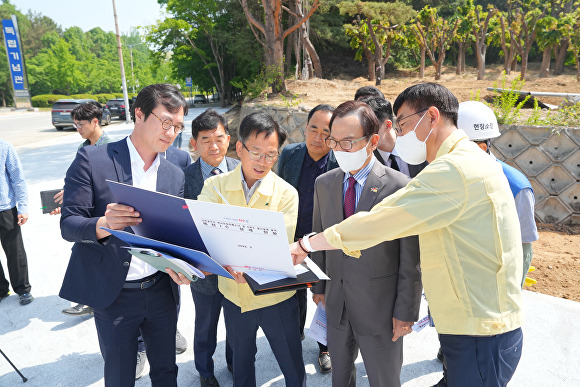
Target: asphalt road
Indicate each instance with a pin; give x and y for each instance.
(29, 129)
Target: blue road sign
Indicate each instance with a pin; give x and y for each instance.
(14, 54)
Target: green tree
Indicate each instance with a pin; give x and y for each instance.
(57, 68)
(524, 26)
(548, 35)
(501, 36)
(205, 28)
(480, 31)
(464, 33)
(272, 29)
(362, 43)
(435, 35)
(574, 39)
(40, 25)
(563, 10)
(382, 21)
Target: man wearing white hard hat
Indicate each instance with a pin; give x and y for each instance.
(478, 121)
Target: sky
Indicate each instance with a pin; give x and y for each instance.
(95, 13)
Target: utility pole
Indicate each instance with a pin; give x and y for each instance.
(131, 51)
(120, 51)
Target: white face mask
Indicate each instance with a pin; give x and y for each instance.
(410, 149)
(352, 161)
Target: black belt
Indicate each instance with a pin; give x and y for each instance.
(144, 283)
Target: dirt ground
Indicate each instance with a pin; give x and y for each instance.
(557, 252)
(464, 86)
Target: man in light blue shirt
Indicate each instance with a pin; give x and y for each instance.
(13, 214)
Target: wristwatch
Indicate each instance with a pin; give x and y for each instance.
(305, 240)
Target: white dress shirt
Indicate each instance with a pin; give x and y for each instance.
(146, 180)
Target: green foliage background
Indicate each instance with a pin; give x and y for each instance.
(69, 62)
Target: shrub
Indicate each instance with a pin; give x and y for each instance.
(103, 98)
(504, 103)
(46, 100)
(260, 84)
(82, 96)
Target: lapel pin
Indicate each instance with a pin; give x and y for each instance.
(267, 204)
(374, 189)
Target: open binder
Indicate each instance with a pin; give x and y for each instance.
(209, 236)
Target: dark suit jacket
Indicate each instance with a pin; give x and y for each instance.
(291, 159)
(178, 157)
(413, 169)
(385, 281)
(193, 185)
(98, 268)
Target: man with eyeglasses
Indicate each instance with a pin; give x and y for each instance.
(127, 295)
(87, 121)
(300, 164)
(252, 184)
(369, 301)
(385, 152)
(210, 137)
(463, 210)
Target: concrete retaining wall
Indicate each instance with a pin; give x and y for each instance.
(549, 157)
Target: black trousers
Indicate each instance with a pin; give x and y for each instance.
(11, 238)
(150, 312)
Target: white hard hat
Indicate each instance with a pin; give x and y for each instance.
(477, 120)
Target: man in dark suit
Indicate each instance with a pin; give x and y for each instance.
(127, 296)
(210, 137)
(366, 298)
(385, 152)
(300, 164)
(177, 156)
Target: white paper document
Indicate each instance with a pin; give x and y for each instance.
(317, 328)
(315, 269)
(421, 324)
(264, 277)
(255, 237)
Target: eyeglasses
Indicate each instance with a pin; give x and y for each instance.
(344, 144)
(397, 125)
(258, 156)
(168, 124)
(78, 125)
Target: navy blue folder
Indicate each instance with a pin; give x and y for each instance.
(167, 226)
(195, 258)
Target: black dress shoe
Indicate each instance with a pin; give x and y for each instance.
(209, 382)
(324, 362)
(440, 355)
(78, 310)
